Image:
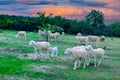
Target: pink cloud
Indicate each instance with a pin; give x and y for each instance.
(8, 12)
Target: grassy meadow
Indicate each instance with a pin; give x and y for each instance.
(12, 67)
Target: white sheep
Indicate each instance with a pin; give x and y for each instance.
(91, 38)
(54, 51)
(63, 33)
(53, 35)
(40, 46)
(96, 53)
(81, 39)
(79, 34)
(41, 33)
(21, 34)
(78, 55)
(102, 38)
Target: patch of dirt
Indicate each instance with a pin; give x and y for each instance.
(101, 68)
(33, 56)
(65, 58)
(45, 68)
(40, 68)
(27, 56)
(2, 38)
(11, 50)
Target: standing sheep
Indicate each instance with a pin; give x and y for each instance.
(53, 35)
(81, 39)
(40, 46)
(41, 33)
(96, 53)
(54, 51)
(91, 38)
(21, 34)
(78, 55)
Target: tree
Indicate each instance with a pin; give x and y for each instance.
(96, 19)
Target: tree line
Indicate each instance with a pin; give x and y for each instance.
(92, 24)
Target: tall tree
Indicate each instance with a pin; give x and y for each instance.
(96, 19)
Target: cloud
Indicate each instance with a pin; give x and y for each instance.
(88, 3)
(112, 4)
(56, 10)
(27, 2)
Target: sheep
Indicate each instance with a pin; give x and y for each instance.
(53, 35)
(54, 51)
(63, 33)
(102, 38)
(21, 34)
(91, 38)
(79, 34)
(81, 39)
(96, 53)
(41, 33)
(40, 46)
(78, 55)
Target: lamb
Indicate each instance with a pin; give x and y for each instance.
(40, 46)
(53, 35)
(81, 39)
(96, 53)
(78, 55)
(21, 34)
(54, 51)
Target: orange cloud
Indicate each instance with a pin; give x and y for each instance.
(57, 10)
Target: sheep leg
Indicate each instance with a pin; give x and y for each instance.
(95, 61)
(52, 54)
(88, 61)
(97, 43)
(56, 52)
(100, 61)
(75, 65)
(35, 50)
(25, 37)
(79, 63)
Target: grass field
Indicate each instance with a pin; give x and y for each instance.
(61, 68)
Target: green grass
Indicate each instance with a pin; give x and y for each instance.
(54, 69)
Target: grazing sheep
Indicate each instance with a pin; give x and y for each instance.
(78, 55)
(96, 53)
(81, 39)
(53, 35)
(54, 51)
(91, 38)
(40, 46)
(79, 34)
(21, 34)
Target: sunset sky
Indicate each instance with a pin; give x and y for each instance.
(71, 9)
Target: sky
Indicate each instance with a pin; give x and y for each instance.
(70, 9)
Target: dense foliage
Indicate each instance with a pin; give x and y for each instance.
(93, 24)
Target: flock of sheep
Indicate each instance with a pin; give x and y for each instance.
(79, 53)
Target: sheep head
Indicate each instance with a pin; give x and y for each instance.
(67, 51)
(32, 43)
(89, 48)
